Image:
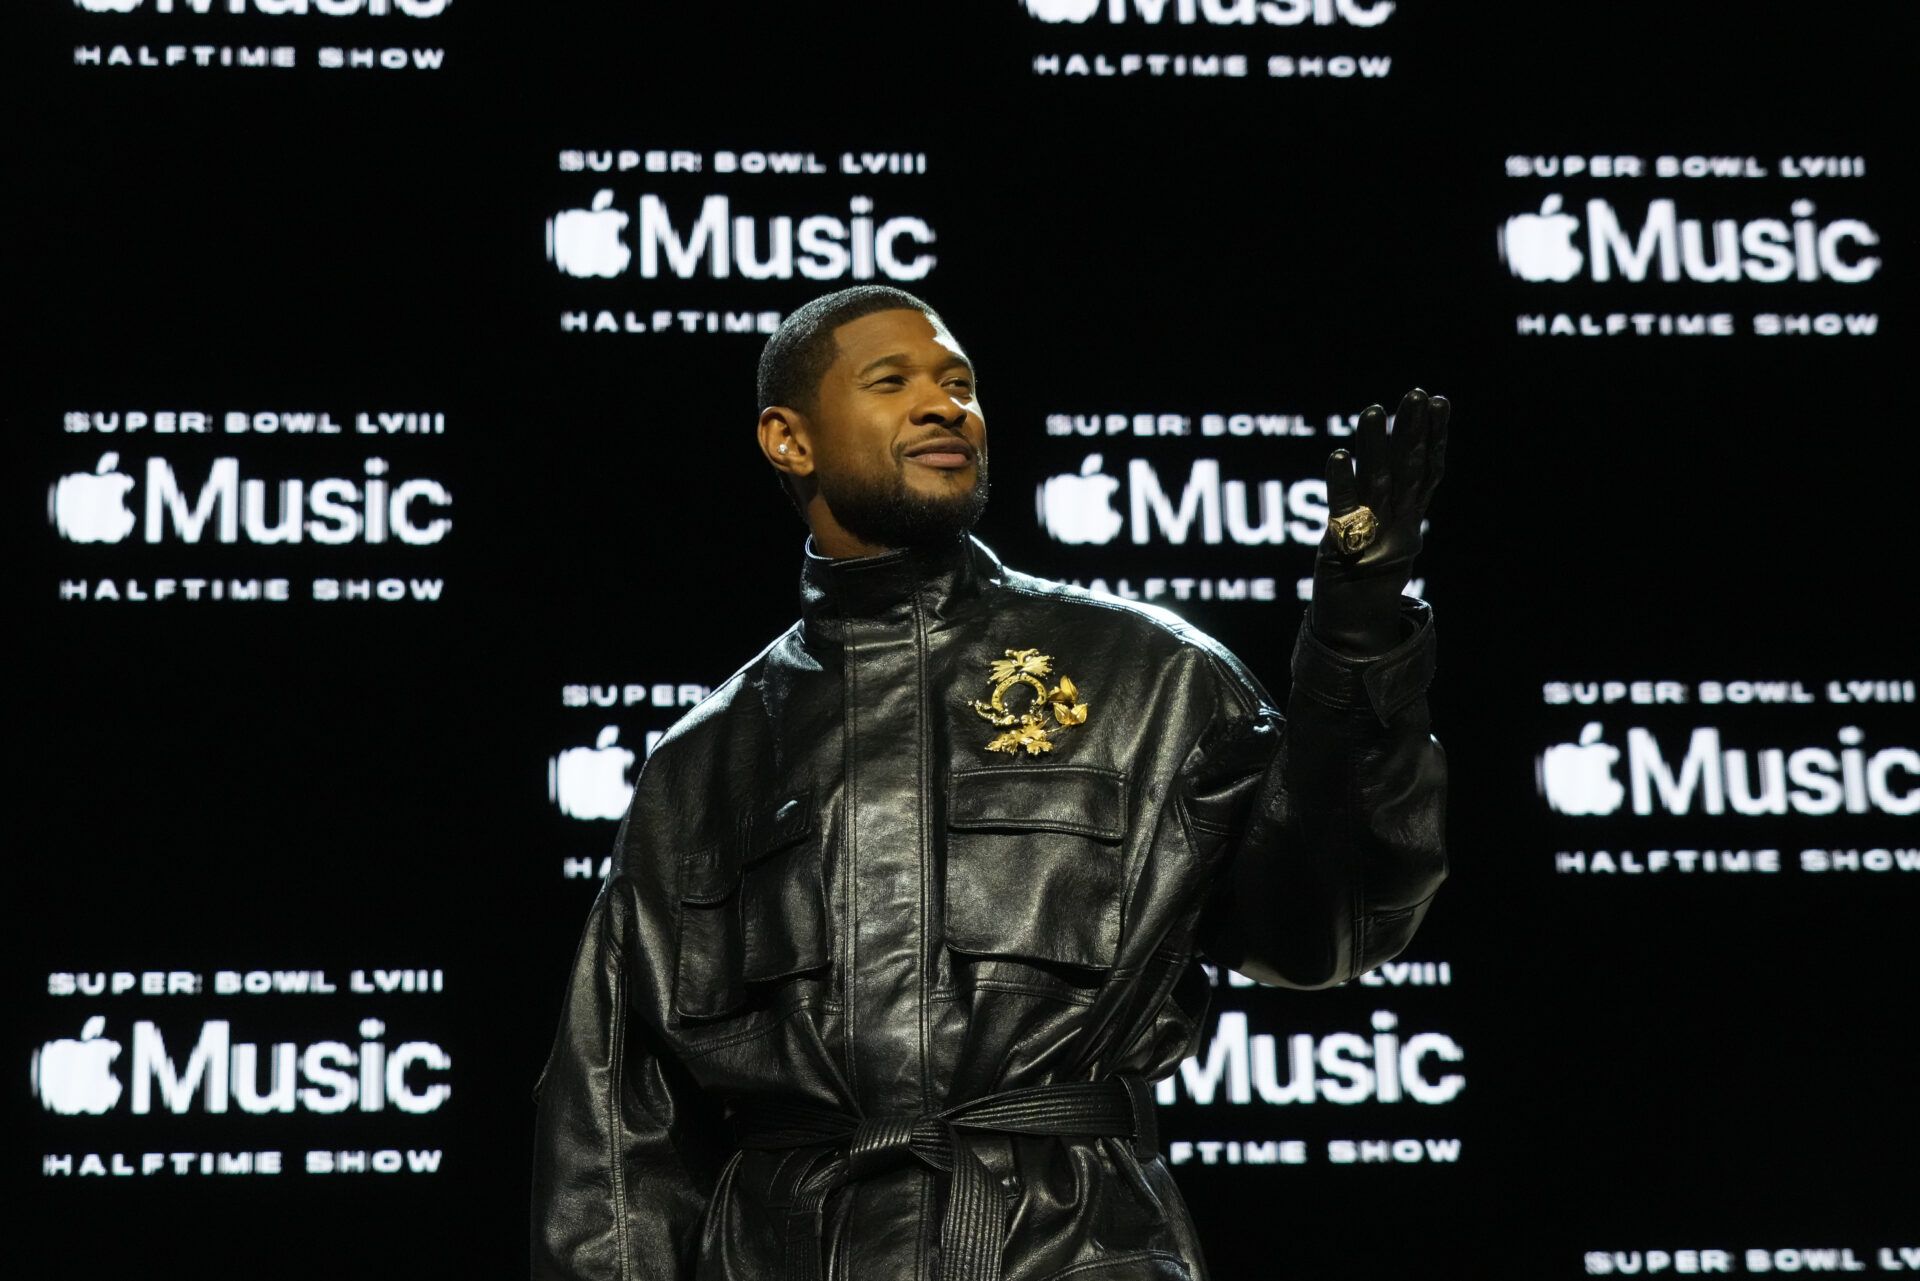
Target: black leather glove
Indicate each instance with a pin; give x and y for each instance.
(1356, 595)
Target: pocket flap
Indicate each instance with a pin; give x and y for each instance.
(752, 910)
(709, 874)
(1035, 869)
(779, 825)
(1085, 800)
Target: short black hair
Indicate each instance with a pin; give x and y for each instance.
(796, 358)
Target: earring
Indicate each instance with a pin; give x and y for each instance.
(783, 447)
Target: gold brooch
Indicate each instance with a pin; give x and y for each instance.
(1029, 729)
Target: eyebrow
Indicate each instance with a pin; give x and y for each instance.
(901, 358)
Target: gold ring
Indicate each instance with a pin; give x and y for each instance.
(1355, 530)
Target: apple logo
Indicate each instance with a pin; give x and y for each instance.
(72, 1077)
(1577, 778)
(1078, 508)
(586, 242)
(1540, 246)
(1062, 10)
(108, 6)
(591, 782)
(91, 507)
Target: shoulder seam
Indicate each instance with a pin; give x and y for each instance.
(738, 677)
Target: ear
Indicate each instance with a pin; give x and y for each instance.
(784, 425)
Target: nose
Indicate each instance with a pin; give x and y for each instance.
(938, 404)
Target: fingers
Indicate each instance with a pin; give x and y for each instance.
(1393, 473)
(1376, 478)
(1409, 452)
(1343, 490)
(1436, 450)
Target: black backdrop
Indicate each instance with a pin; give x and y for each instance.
(1620, 1060)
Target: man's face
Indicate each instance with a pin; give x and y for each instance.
(899, 445)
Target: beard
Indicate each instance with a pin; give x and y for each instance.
(888, 514)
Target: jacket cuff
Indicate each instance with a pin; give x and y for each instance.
(1384, 684)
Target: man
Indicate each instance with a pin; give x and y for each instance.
(905, 917)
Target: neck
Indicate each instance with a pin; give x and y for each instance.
(833, 539)
(838, 544)
(899, 587)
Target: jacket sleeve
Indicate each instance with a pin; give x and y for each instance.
(626, 1147)
(1331, 822)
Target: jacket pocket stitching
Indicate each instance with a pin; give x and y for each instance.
(699, 1046)
(716, 886)
(1114, 1260)
(616, 1161)
(721, 904)
(1113, 829)
(1025, 989)
(1208, 826)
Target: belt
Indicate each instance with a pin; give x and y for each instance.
(974, 1227)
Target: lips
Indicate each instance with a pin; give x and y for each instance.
(948, 453)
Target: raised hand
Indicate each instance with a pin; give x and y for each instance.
(1363, 564)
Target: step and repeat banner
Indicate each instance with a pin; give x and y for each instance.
(384, 386)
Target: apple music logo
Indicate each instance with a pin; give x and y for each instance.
(1612, 239)
(119, 501)
(1343, 1068)
(1577, 778)
(1179, 27)
(1539, 247)
(750, 224)
(75, 1077)
(1079, 507)
(277, 8)
(716, 244)
(255, 47)
(586, 242)
(1221, 13)
(591, 782)
(93, 507)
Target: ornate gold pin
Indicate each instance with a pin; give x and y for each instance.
(1029, 729)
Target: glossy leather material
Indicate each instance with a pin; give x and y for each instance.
(1354, 593)
(827, 894)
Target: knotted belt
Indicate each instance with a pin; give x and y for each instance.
(974, 1228)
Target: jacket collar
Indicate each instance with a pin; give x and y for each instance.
(945, 581)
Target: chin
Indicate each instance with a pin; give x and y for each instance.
(959, 479)
(943, 479)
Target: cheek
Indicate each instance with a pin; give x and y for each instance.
(857, 450)
(872, 451)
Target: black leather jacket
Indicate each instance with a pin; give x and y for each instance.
(832, 908)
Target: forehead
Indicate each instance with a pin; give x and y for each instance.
(897, 331)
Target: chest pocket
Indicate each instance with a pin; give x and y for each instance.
(752, 911)
(1035, 863)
